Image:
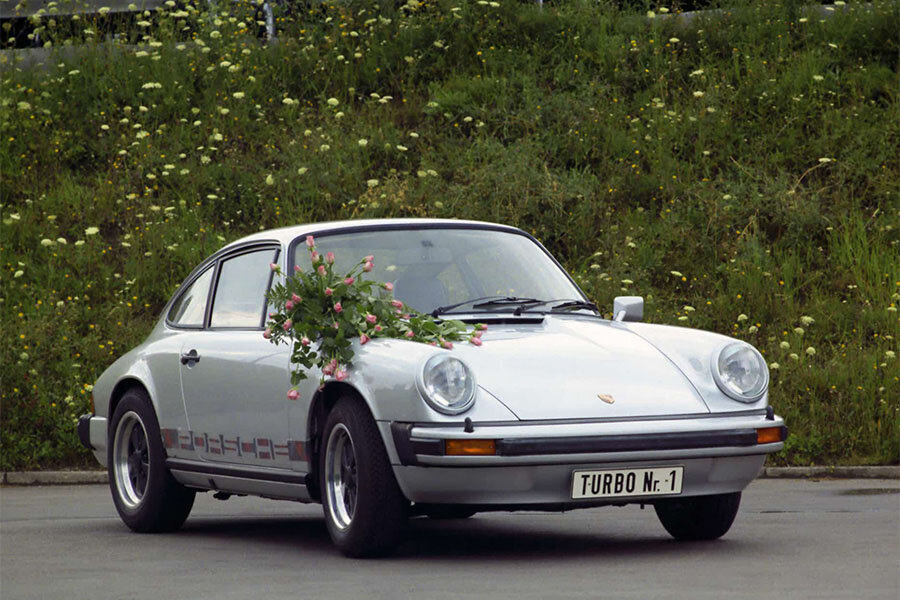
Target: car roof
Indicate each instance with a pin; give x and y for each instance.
(286, 234)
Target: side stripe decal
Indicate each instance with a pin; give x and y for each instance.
(259, 448)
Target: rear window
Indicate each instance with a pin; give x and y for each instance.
(240, 299)
(190, 307)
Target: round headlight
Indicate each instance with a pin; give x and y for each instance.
(740, 371)
(447, 384)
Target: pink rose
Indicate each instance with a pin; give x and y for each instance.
(363, 338)
(475, 340)
(405, 316)
(321, 270)
(273, 266)
(334, 363)
(477, 334)
(296, 299)
(337, 307)
(314, 257)
(483, 326)
(310, 242)
(369, 258)
(305, 341)
(432, 343)
(328, 291)
(329, 258)
(328, 369)
(410, 334)
(293, 395)
(287, 325)
(371, 318)
(368, 267)
(340, 375)
(271, 315)
(349, 281)
(396, 304)
(289, 305)
(378, 328)
(446, 344)
(297, 269)
(267, 333)
(389, 286)
(336, 325)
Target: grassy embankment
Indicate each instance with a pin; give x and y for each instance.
(741, 175)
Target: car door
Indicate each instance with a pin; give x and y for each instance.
(233, 380)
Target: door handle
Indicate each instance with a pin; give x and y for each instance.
(190, 357)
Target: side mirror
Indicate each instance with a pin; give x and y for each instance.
(628, 308)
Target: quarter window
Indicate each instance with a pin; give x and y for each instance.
(190, 307)
(240, 298)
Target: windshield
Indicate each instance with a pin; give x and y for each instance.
(433, 268)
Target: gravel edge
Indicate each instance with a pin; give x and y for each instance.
(22, 478)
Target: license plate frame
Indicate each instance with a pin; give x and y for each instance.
(591, 484)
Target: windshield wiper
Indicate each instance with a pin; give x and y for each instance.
(521, 304)
(442, 309)
(576, 304)
(566, 304)
(484, 301)
(508, 300)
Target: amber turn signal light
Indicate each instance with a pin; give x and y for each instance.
(470, 448)
(768, 435)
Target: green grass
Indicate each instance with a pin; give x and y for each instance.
(687, 165)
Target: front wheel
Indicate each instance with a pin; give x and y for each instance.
(146, 495)
(365, 511)
(699, 517)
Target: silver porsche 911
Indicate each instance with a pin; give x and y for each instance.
(558, 409)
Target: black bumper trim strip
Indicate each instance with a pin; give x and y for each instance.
(408, 447)
(228, 471)
(627, 443)
(84, 431)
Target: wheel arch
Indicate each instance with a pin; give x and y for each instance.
(119, 390)
(322, 404)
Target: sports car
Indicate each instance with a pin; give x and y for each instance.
(559, 408)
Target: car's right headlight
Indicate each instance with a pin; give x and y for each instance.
(741, 372)
(447, 384)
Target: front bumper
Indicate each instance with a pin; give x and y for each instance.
(93, 435)
(534, 462)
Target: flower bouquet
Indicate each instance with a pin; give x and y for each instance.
(321, 313)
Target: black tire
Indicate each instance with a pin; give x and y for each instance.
(699, 517)
(365, 511)
(443, 512)
(146, 495)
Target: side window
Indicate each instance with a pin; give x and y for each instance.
(189, 308)
(241, 292)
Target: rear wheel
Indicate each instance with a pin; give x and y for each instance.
(699, 517)
(365, 511)
(146, 495)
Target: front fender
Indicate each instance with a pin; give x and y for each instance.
(384, 373)
(691, 351)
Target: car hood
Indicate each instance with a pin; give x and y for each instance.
(562, 368)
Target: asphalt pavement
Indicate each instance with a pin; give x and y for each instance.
(792, 539)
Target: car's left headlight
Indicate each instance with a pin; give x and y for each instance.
(447, 384)
(741, 372)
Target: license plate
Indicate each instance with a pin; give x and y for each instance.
(620, 483)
